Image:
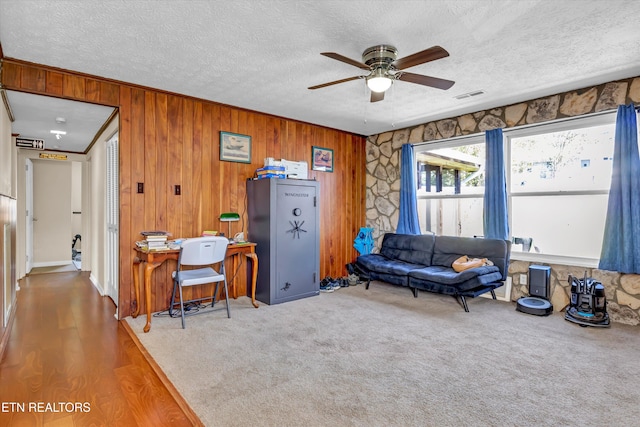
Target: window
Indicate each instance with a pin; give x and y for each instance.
(454, 170)
(563, 160)
(451, 186)
(560, 179)
(558, 182)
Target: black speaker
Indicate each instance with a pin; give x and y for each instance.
(539, 281)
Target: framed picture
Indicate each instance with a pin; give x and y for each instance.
(322, 159)
(235, 147)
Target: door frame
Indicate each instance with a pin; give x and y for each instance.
(29, 215)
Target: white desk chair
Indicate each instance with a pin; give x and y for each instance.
(200, 252)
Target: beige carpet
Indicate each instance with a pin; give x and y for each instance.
(383, 358)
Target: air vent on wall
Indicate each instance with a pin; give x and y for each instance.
(469, 94)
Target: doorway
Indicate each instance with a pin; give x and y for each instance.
(51, 221)
(81, 133)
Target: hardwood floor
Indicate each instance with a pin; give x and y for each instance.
(69, 362)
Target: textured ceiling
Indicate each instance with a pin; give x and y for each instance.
(263, 54)
(35, 117)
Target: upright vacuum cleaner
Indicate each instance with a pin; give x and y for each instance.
(588, 306)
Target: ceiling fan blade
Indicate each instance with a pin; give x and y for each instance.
(348, 79)
(377, 96)
(426, 80)
(346, 60)
(431, 54)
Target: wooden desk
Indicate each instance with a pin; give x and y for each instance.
(154, 259)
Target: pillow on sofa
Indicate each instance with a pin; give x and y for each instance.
(464, 263)
(414, 249)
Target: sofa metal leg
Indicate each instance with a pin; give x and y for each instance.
(464, 303)
(415, 292)
(493, 294)
(367, 286)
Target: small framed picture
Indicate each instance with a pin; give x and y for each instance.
(235, 147)
(322, 159)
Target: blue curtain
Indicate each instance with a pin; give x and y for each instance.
(495, 220)
(408, 219)
(621, 243)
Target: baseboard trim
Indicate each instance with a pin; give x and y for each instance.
(96, 284)
(52, 263)
(189, 413)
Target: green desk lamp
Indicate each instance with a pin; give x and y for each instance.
(229, 217)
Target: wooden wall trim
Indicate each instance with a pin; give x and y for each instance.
(8, 215)
(73, 75)
(168, 139)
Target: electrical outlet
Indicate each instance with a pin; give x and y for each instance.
(140, 188)
(176, 190)
(523, 279)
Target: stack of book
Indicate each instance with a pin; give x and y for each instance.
(156, 240)
(271, 172)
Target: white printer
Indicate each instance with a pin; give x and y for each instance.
(294, 170)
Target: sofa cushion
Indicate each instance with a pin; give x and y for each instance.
(446, 281)
(394, 279)
(448, 276)
(413, 249)
(449, 248)
(381, 264)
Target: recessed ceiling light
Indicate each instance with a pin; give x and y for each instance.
(60, 120)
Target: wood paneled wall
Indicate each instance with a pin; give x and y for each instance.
(168, 139)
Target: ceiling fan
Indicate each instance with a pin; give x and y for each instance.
(383, 67)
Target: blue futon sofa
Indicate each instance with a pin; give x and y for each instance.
(424, 262)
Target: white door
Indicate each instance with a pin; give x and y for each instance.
(29, 214)
(51, 213)
(113, 212)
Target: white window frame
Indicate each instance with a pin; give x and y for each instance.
(591, 120)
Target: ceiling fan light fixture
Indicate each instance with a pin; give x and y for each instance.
(384, 67)
(378, 81)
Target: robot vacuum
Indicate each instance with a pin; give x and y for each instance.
(539, 284)
(534, 305)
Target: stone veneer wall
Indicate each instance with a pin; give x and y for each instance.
(383, 179)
